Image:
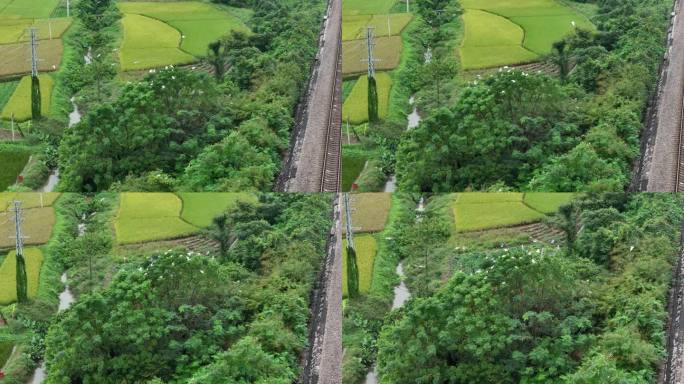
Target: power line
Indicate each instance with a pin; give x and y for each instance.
(370, 44)
(347, 211)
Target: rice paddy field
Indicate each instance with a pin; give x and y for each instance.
(355, 107)
(8, 282)
(366, 248)
(366, 7)
(15, 59)
(150, 216)
(353, 163)
(28, 199)
(504, 32)
(173, 33)
(387, 53)
(370, 211)
(19, 103)
(19, 9)
(385, 25)
(547, 202)
(37, 226)
(16, 30)
(480, 211)
(146, 217)
(13, 159)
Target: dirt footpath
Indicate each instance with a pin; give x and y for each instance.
(659, 158)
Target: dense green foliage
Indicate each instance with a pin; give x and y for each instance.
(194, 132)
(593, 311)
(537, 132)
(180, 316)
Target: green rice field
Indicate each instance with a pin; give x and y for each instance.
(19, 103)
(547, 202)
(6, 90)
(28, 199)
(18, 9)
(150, 216)
(352, 165)
(366, 248)
(479, 211)
(366, 7)
(501, 32)
(354, 27)
(15, 30)
(200, 208)
(175, 33)
(8, 282)
(355, 108)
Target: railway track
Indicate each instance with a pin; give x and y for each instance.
(679, 175)
(331, 170)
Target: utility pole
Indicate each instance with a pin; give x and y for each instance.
(68, 7)
(12, 124)
(407, 6)
(372, 85)
(34, 52)
(370, 44)
(35, 83)
(389, 26)
(22, 291)
(352, 266)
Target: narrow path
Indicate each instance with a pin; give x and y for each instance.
(657, 167)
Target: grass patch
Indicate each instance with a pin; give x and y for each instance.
(547, 202)
(489, 213)
(355, 55)
(200, 208)
(366, 248)
(6, 347)
(28, 199)
(150, 43)
(15, 59)
(354, 27)
(19, 103)
(486, 197)
(499, 32)
(200, 23)
(13, 159)
(150, 216)
(355, 108)
(8, 274)
(353, 162)
(37, 226)
(369, 211)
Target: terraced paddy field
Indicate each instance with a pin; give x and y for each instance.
(479, 211)
(173, 33)
(37, 226)
(19, 104)
(370, 211)
(387, 53)
(354, 27)
(15, 59)
(366, 7)
(146, 217)
(366, 248)
(355, 107)
(8, 284)
(27, 8)
(503, 32)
